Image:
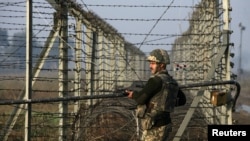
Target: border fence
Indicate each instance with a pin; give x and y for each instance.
(62, 80)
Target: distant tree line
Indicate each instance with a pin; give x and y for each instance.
(13, 51)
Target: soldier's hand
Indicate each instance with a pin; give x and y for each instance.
(129, 93)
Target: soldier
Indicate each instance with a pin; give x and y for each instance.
(157, 99)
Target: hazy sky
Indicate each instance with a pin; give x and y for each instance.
(169, 26)
(240, 14)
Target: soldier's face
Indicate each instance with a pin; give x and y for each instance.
(154, 67)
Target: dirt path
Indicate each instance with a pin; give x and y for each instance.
(241, 116)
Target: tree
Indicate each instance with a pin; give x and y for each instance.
(4, 38)
(4, 43)
(17, 49)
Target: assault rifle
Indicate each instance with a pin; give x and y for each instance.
(181, 97)
(180, 101)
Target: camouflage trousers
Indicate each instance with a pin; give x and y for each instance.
(157, 133)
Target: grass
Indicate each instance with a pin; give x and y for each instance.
(45, 116)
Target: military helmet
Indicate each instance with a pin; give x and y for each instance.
(159, 56)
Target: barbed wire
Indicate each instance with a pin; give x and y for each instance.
(12, 59)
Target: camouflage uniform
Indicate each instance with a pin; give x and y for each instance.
(158, 110)
(156, 101)
(157, 134)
